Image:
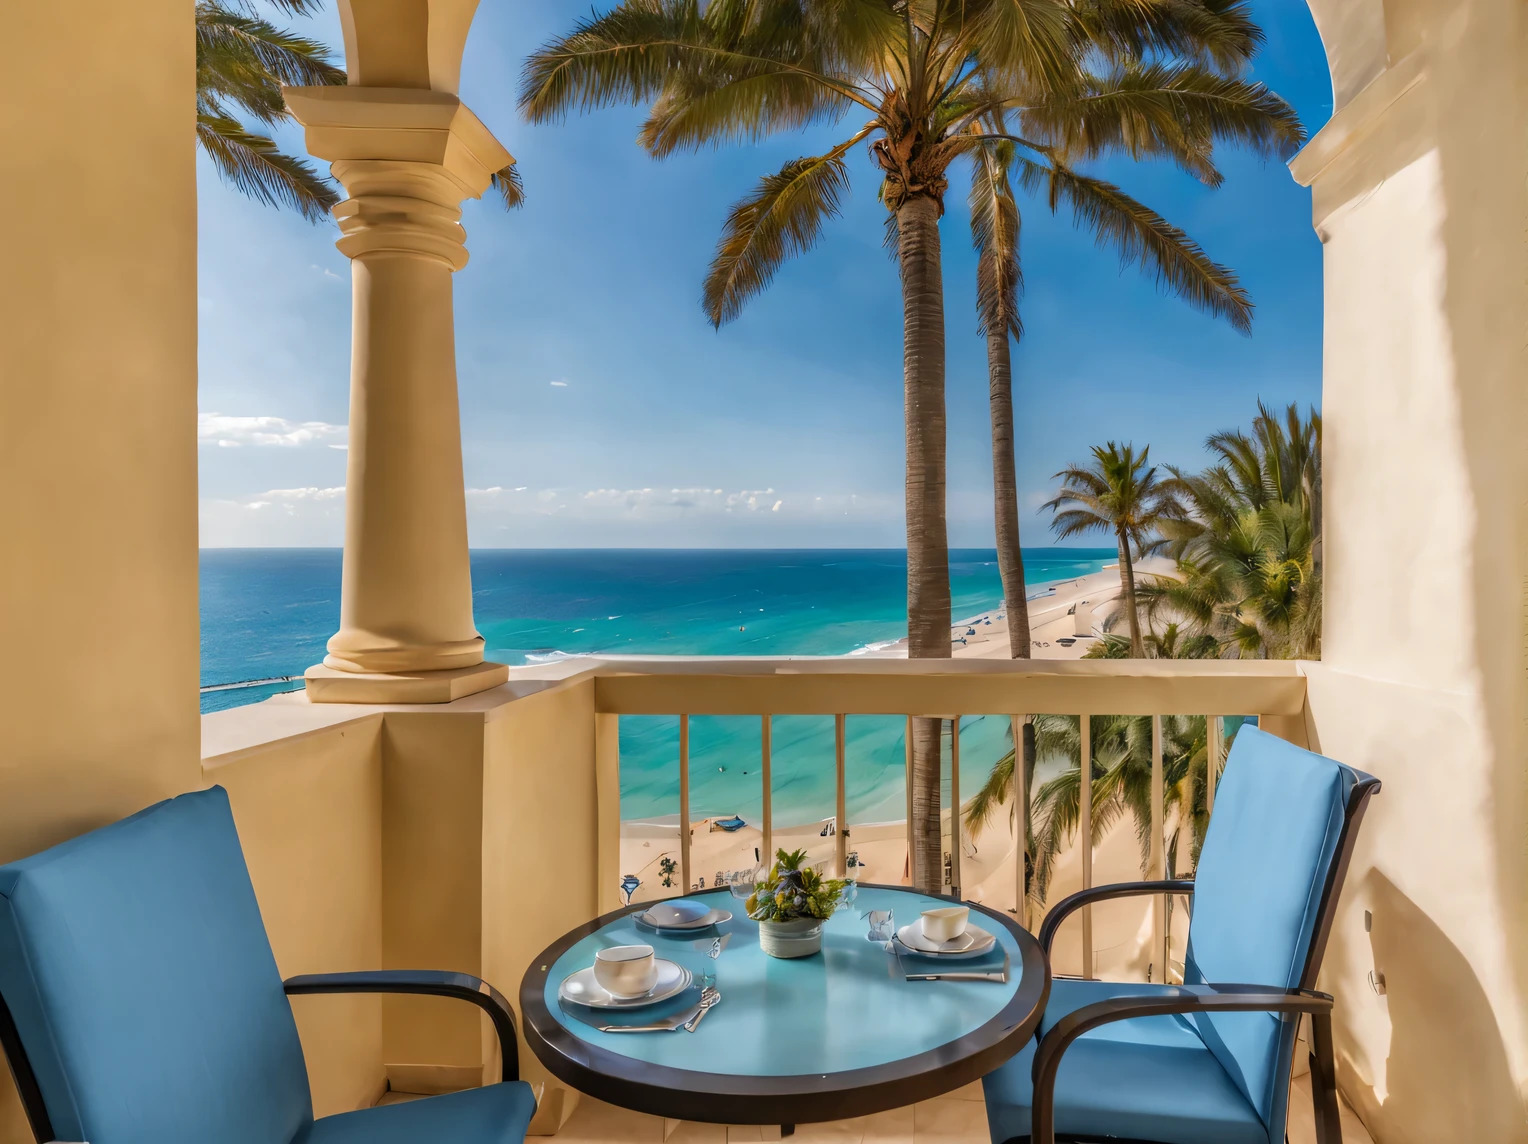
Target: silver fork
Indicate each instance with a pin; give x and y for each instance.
(709, 999)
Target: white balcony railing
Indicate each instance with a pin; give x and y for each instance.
(946, 690)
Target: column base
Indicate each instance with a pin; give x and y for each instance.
(326, 685)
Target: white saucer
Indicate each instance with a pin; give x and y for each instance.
(581, 989)
(715, 917)
(974, 941)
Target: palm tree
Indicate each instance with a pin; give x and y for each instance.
(1247, 540)
(1118, 493)
(1121, 778)
(242, 62)
(1172, 642)
(995, 229)
(935, 82)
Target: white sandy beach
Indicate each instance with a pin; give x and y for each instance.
(1065, 621)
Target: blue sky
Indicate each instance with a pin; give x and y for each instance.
(599, 407)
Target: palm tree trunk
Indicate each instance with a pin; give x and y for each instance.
(928, 556)
(1010, 555)
(1005, 493)
(1127, 585)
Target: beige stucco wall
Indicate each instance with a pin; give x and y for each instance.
(98, 684)
(97, 422)
(413, 838)
(309, 813)
(1419, 192)
(539, 803)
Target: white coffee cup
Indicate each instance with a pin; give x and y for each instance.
(945, 924)
(626, 970)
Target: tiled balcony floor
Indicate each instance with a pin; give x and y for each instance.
(959, 1118)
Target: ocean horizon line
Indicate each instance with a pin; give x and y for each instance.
(671, 548)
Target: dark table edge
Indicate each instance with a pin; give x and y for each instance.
(722, 1098)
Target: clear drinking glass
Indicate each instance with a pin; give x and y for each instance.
(882, 925)
(742, 883)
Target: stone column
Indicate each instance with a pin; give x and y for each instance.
(407, 158)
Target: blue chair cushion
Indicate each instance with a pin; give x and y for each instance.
(136, 966)
(1279, 813)
(494, 1114)
(1147, 1079)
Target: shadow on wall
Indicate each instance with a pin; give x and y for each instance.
(1453, 1088)
(1475, 69)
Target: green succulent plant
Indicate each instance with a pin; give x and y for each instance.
(792, 892)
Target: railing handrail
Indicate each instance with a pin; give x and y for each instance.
(835, 685)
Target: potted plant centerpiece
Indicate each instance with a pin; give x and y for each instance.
(791, 904)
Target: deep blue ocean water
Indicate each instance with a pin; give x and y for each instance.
(266, 614)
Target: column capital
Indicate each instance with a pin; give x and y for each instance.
(407, 157)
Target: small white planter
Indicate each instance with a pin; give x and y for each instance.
(799, 938)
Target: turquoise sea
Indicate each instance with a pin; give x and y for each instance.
(266, 614)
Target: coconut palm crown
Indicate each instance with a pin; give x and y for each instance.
(1248, 541)
(1117, 493)
(923, 84)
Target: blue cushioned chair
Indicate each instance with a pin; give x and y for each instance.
(140, 1002)
(1207, 1062)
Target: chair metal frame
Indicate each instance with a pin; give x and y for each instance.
(1211, 998)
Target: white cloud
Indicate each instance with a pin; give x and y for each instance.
(297, 518)
(658, 505)
(522, 514)
(232, 432)
(560, 384)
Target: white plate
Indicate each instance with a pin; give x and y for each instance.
(715, 917)
(581, 989)
(974, 941)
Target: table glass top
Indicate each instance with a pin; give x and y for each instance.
(835, 1011)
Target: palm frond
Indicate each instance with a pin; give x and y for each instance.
(782, 218)
(507, 182)
(244, 60)
(1019, 41)
(1180, 110)
(1142, 236)
(746, 109)
(254, 164)
(624, 56)
(1221, 33)
(995, 226)
(645, 50)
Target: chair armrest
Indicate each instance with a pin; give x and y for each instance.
(429, 983)
(1065, 906)
(1183, 999)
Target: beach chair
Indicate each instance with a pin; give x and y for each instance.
(1207, 1062)
(139, 1000)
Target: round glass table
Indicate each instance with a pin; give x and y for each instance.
(838, 1034)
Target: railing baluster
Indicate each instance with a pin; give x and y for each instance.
(907, 772)
(766, 732)
(1157, 862)
(955, 807)
(684, 803)
(1214, 733)
(841, 817)
(1020, 821)
(1085, 832)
